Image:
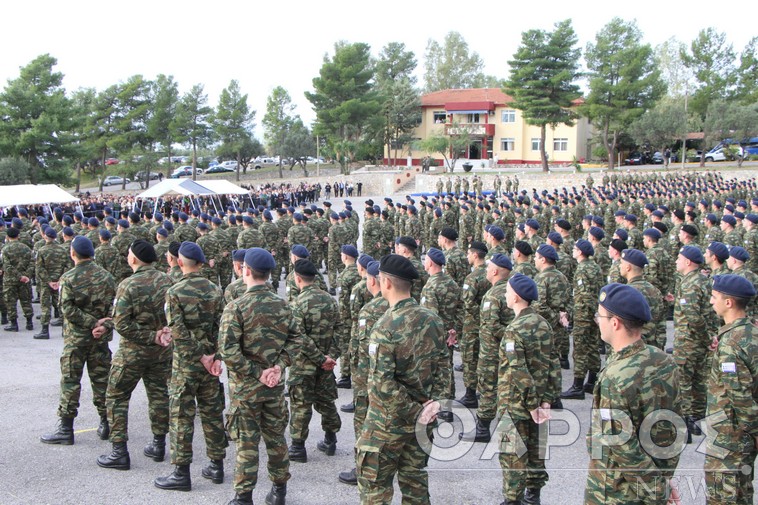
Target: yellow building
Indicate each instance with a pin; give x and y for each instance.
(500, 136)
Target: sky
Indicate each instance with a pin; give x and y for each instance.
(264, 44)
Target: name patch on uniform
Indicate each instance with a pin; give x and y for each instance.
(423, 300)
(352, 297)
(605, 414)
(683, 301)
(729, 367)
(465, 286)
(510, 347)
(579, 282)
(372, 349)
(362, 323)
(486, 305)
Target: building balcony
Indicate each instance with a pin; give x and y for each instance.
(470, 128)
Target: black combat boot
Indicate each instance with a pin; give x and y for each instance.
(469, 400)
(156, 450)
(63, 434)
(692, 427)
(445, 415)
(277, 494)
(575, 392)
(57, 322)
(215, 471)
(531, 496)
(556, 405)
(118, 459)
(329, 444)
(297, 452)
(12, 326)
(348, 407)
(481, 433)
(43, 334)
(104, 429)
(344, 382)
(56, 312)
(589, 386)
(350, 477)
(332, 292)
(245, 498)
(564, 361)
(4, 319)
(178, 480)
(30, 323)
(458, 368)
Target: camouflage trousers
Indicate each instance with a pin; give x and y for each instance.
(246, 422)
(562, 342)
(346, 356)
(97, 356)
(225, 273)
(318, 392)
(528, 469)
(189, 392)
(361, 409)
(658, 340)
(489, 361)
(730, 480)
(470, 356)
(3, 307)
(586, 343)
(333, 264)
(690, 356)
(377, 463)
(451, 372)
(14, 292)
(124, 376)
(47, 298)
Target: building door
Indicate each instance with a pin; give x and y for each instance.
(475, 150)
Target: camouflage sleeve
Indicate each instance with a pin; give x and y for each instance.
(189, 349)
(338, 332)
(124, 320)
(41, 267)
(301, 312)
(292, 344)
(229, 344)
(69, 309)
(692, 310)
(739, 388)
(520, 392)
(217, 320)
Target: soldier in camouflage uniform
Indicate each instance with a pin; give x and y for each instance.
(237, 288)
(335, 241)
(587, 283)
(525, 393)
(258, 339)
(184, 232)
(193, 311)
(456, 265)
(494, 316)
(311, 379)
(737, 262)
(86, 299)
(108, 257)
(226, 245)
(347, 279)
(407, 358)
(639, 381)
(522, 259)
(52, 263)
(161, 248)
(466, 227)
(17, 267)
(359, 296)
(372, 234)
(143, 354)
(442, 296)
(212, 252)
(121, 242)
(291, 291)
(407, 247)
(633, 263)
(750, 242)
(474, 288)
(732, 385)
(250, 236)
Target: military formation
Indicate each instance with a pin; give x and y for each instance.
(523, 284)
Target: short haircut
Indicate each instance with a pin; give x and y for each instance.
(401, 285)
(189, 262)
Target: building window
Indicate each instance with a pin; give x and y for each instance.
(508, 116)
(535, 144)
(508, 144)
(560, 144)
(440, 117)
(473, 118)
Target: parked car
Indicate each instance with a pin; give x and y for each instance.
(219, 169)
(111, 161)
(635, 158)
(230, 164)
(141, 175)
(113, 180)
(184, 171)
(715, 154)
(212, 163)
(657, 158)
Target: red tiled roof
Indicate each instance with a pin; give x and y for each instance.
(446, 96)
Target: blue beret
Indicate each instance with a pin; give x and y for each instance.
(13, 232)
(739, 215)
(555, 237)
(657, 213)
(449, 233)
(525, 287)
(169, 226)
(232, 219)
(652, 233)
(729, 219)
(202, 226)
(563, 224)
(195, 212)
(260, 259)
(134, 216)
(111, 220)
(162, 231)
(753, 218)
(123, 223)
(343, 215)
(501, 260)
(625, 302)
(348, 202)
(631, 218)
(622, 234)
(50, 232)
(247, 220)
(364, 260)
(67, 220)
(350, 250)
(739, 253)
(398, 266)
(297, 216)
(598, 233)
(650, 206)
(105, 234)
(720, 250)
(158, 216)
(635, 257)
(67, 231)
(496, 232)
(532, 223)
(192, 251)
(204, 216)
(217, 221)
(438, 212)
(183, 216)
(734, 285)
(291, 209)
(436, 256)
(267, 215)
(93, 221)
(83, 246)
(334, 215)
(239, 255)
(620, 213)
(23, 212)
(17, 222)
(300, 251)
(548, 251)
(598, 221)
(585, 247)
(373, 268)
(78, 215)
(306, 268)
(42, 220)
(692, 253)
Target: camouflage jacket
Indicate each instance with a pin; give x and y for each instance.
(475, 287)
(494, 314)
(654, 300)
(86, 296)
(456, 265)
(52, 262)
(693, 314)
(185, 233)
(300, 234)
(527, 268)
(442, 296)
(17, 261)
(587, 283)
(250, 237)
(554, 295)
(367, 317)
(108, 258)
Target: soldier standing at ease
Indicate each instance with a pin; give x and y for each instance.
(52, 263)
(407, 358)
(456, 264)
(86, 299)
(193, 310)
(732, 385)
(143, 354)
(639, 381)
(346, 280)
(17, 266)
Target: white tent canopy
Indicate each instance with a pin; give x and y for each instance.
(224, 187)
(175, 187)
(31, 194)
